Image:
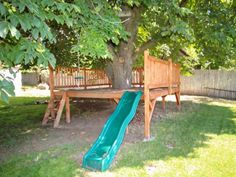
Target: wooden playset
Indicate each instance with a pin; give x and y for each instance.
(158, 78)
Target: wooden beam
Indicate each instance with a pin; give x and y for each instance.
(59, 112)
(116, 100)
(153, 103)
(50, 108)
(127, 130)
(146, 96)
(85, 79)
(164, 103)
(46, 115)
(177, 96)
(68, 110)
(51, 86)
(170, 72)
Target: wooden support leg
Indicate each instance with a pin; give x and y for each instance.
(163, 103)
(177, 96)
(46, 115)
(147, 120)
(149, 109)
(48, 112)
(116, 100)
(59, 112)
(67, 110)
(127, 130)
(52, 110)
(152, 107)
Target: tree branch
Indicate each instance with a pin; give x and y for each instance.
(149, 44)
(111, 49)
(183, 3)
(183, 52)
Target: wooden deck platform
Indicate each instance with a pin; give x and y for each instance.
(158, 78)
(109, 93)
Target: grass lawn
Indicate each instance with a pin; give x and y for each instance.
(198, 141)
(20, 115)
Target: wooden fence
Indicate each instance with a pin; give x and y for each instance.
(214, 83)
(83, 78)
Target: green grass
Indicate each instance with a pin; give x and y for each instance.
(198, 141)
(18, 117)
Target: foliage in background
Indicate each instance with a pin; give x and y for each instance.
(205, 31)
(24, 30)
(6, 87)
(197, 34)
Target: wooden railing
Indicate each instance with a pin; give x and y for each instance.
(79, 77)
(74, 77)
(160, 73)
(137, 77)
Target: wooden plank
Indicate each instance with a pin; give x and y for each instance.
(85, 79)
(163, 103)
(52, 95)
(59, 112)
(153, 103)
(116, 100)
(46, 115)
(154, 85)
(68, 110)
(170, 71)
(146, 96)
(177, 96)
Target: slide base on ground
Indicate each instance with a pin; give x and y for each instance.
(100, 156)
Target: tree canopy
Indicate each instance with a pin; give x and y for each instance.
(114, 34)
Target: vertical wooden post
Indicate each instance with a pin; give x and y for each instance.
(140, 78)
(146, 96)
(50, 107)
(163, 104)
(170, 72)
(85, 79)
(127, 130)
(51, 85)
(177, 94)
(67, 109)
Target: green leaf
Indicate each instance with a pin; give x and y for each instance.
(35, 33)
(4, 96)
(21, 7)
(14, 19)
(2, 9)
(19, 57)
(36, 22)
(3, 29)
(25, 22)
(14, 32)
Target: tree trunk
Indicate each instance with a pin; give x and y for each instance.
(122, 73)
(120, 70)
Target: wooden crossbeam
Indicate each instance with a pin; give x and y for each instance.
(67, 110)
(164, 103)
(116, 100)
(59, 112)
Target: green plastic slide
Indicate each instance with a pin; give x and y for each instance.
(101, 154)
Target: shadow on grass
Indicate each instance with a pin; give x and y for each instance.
(178, 134)
(21, 115)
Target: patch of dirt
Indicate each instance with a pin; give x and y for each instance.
(88, 118)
